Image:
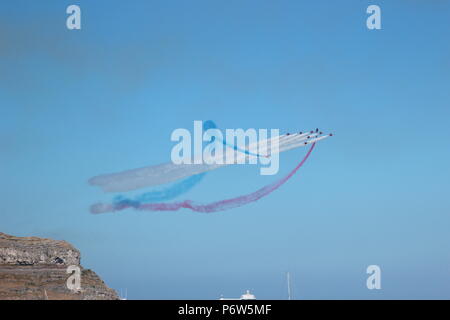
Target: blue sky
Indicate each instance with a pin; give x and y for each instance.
(75, 104)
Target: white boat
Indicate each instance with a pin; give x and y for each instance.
(245, 296)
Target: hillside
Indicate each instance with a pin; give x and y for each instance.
(35, 268)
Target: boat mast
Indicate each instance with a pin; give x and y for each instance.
(289, 285)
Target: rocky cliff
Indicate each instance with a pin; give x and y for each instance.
(36, 268)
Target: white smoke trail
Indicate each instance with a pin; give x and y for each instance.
(169, 172)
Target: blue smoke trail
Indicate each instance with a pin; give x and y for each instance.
(211, 125)
(168, 193)
(173, 191)
(165, 194)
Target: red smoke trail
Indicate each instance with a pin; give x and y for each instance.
(223, 204)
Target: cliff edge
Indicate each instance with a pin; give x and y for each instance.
(34, 268)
